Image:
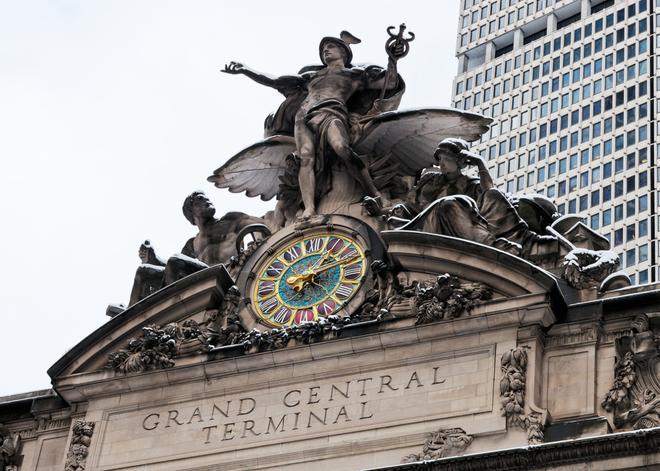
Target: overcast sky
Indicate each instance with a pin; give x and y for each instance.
(111, 112)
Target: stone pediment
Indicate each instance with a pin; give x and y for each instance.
(520, 293)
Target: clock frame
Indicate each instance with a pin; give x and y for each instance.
(317, 268)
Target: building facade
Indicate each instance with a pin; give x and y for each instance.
(570, 86)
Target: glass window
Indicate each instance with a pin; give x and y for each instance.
(618, 237)
(618, 212)
(607, 217)
(618, 188)
(584, 179)
(584, 203)
(562, 166)
(618, 165)
(643, 228)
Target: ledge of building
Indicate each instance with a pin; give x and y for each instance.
(585, 450)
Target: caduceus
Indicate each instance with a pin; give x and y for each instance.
(396, 48)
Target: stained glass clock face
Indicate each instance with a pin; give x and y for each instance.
(315, 275)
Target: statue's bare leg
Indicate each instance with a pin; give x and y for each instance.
(338, 139)
(306, 177)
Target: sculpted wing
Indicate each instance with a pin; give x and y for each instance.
(256, 169)
(408, 138)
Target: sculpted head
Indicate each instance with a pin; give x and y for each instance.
(448, 155)
(197, 206)
(334, 49)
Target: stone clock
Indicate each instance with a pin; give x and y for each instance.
(319, 270)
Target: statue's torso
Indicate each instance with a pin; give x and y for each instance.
(329, 84)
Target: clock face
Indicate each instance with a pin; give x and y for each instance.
(315, 275)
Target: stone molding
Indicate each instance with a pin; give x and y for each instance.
(572, 335)
(43, 425)
(584, 450)
(87, 385)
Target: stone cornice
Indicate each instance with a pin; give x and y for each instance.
(616, 445)
(84, 386)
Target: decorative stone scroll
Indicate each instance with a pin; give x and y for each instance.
(81, 438)
(440, 444)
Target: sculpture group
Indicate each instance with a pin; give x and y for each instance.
(338, 145)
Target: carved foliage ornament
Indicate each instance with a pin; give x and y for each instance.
(440, 444)
(634, 398)
(512, 393)
(445, 297)
(81, 437)
(448, 298)
(158, 347)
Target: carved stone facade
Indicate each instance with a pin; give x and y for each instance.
(634, 398)
(441, 444)
(387, 294)
(81, 438)
(512, 385)
(9, 449)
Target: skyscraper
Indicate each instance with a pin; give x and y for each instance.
(569, 84)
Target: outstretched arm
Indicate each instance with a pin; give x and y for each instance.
(236, 68)
(279, 83)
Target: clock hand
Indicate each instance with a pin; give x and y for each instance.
(341, 261)
(300, 280)
(322, 259)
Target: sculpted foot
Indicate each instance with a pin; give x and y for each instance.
(308, 213)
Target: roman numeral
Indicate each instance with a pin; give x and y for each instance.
(344, 291)
(353, 271)
(265, 288)
(293, 253)
(314, 245)
(335, 245)
(275, 269)
(349, 252)
(326, 307)
(282, 316)
(268, 305)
